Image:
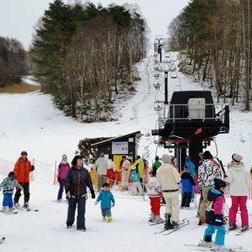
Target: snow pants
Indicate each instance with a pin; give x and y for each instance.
(61, 188)
(106, 212)
(155, 205)
(186, 199)
(241, 203)
(26, 188)
(204, 204)
(220, 234)
(172, 205)
(72, 203)
(7, 200)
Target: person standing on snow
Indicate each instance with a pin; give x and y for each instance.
(139, 164)
(126, 164)
(102, 167)
(238, 179)
(214, 217)
(207, 172)
(62, 173)
(22, 170)
(106, 198)
(169, 180)
(76, 183)
(156, 165)
(8, 185)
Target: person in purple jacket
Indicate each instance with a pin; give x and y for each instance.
(62, 173)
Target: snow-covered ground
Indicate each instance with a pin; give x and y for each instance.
(31, 122)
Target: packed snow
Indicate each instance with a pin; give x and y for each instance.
(31, 122)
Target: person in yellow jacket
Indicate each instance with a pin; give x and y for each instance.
(139, 164)
(94, 176)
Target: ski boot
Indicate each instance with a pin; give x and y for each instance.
(244, 228)
(26, 205)
(152, 218)
(205, 244)
(174, 225)
(158, 219)
(167, 224)
(232, 227)
(109, 218)
(17, 205)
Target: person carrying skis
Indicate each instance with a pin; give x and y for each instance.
(238, 179)
(154, 191)
(8, 185)
(22, 170)
(169, 180)
(62, 173)
(106, 198)
(76, 183)
(214, 216)
(207, 172)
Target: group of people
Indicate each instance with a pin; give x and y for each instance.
(163, 184)
(19, 178)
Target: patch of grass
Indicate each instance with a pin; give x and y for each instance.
(21, 88)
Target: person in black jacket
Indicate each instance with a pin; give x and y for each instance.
(76, 183)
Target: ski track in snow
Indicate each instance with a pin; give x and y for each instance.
(31, 122)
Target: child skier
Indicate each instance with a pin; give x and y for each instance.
(106, 198)
(187, 183)
(214, 216)
(238, 178)
(8, 185)
(154, 191)
(136, 184)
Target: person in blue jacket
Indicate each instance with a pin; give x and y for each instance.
(107, 200)
(187, 183)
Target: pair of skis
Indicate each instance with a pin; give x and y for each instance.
(196, 247)
(182, 223)
(238, 232)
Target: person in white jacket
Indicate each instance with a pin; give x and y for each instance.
(238, 178)
(169, 180)
(154, 192)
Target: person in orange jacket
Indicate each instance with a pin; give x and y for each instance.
(22, 169)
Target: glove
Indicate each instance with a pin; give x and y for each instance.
(113, 204)
(68, 194)
(93, 194)
(219, 221)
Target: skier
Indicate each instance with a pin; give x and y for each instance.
(238, 178)
(169, 179)
(62, 173)
(106, 198)
(8, 185)
(214, 216)
(156, 165)
(154, 191)
(102, 167)
(207, 172)
(136, 184)
(22, 170)
(187, 183)
(139, 164)
(77, 181)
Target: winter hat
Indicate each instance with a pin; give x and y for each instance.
(11, 174)
(74, 161)
(23, 153)
(166, 158)
(64, 158)
(237, 157)
(207, 155)
(157, 158)
(102, 154)
(218, 183)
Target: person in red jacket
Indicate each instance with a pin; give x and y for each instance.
(22, 170)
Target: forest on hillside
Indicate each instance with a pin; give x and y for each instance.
(12, 61)
(216, 38)
(85, 55)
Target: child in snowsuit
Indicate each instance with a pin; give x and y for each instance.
(154, 191)
(106, 198)
(8, 185)
(187, 183)
(238, 178)
(136, 184)
(214, 215)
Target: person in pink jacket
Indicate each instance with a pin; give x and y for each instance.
(62, 174)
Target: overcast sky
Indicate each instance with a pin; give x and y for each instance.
(18, 17)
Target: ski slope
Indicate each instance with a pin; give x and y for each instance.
(31, 122)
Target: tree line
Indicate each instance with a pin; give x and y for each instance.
(12, 61)
(216, 37)
(85, 54)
